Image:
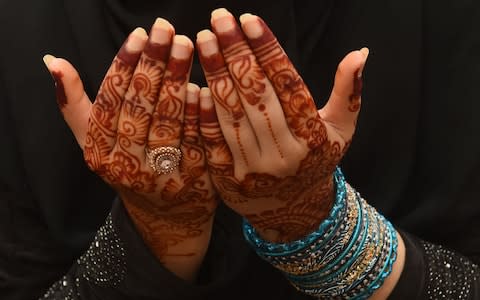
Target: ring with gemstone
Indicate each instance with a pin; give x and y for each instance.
(164, 160)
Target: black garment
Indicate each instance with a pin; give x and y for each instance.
(414, 156)
(231, 270)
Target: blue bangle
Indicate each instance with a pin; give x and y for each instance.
(349, 255)
(269, 248)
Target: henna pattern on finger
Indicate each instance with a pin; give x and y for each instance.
(248, 77)
(168, 112)
(224, 93)
(281, 208)
(59, 89)
(166, 210)
(102, 123)
(356, 95)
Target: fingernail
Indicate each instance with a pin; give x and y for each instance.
(251, 26)
(161, 32)
(223, 20)
(182, 47)
(136, 40)
(207, 43)
(193, 91)
(129, 52)
(47, 59)
(207, 108)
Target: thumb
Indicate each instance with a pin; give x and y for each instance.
(341, 110)
(71, 97)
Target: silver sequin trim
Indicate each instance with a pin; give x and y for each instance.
(450, 275)
(104, 262)
(63, 289)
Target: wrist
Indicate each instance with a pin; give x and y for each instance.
(299, 217)
(351, 253)
(179, 238)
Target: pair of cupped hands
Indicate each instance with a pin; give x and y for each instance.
(253, 139)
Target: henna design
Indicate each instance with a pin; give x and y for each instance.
(357, 92)
(166, 210)
(59, 89)
(246, 74)
(223, 91)
(282, 208)
(298, 203)
(169, 110)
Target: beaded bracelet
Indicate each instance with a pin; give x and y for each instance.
(347, 257)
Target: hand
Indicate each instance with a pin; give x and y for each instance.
(145, 102)
(271, 155)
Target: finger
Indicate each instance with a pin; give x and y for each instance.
(71, 97)
(102, 131)
(167, 123)
(341, 110)
(234, 123)
(193, 157)
(142, 93)
(218, 155)
(297, 103)
(254, 89)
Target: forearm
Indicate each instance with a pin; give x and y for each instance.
(391, 281)
(118, 265)
(337, 260)
(178, 245)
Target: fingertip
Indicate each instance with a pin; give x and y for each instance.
(365, 51)
(47, 60)
(193, 91)
(205, 94)
(247, 17)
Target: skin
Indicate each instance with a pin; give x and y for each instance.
(269, 153)
(145, 101)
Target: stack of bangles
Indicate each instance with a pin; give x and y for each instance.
(347, 257)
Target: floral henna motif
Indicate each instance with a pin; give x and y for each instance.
(282, 208)
(104, 114)
(166, 210)
(169, 109)
(298, 203)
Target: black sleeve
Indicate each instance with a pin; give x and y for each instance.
(435, 272)
(118, 265)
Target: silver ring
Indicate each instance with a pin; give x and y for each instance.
(164, 160)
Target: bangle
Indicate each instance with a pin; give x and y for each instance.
(349, 255)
